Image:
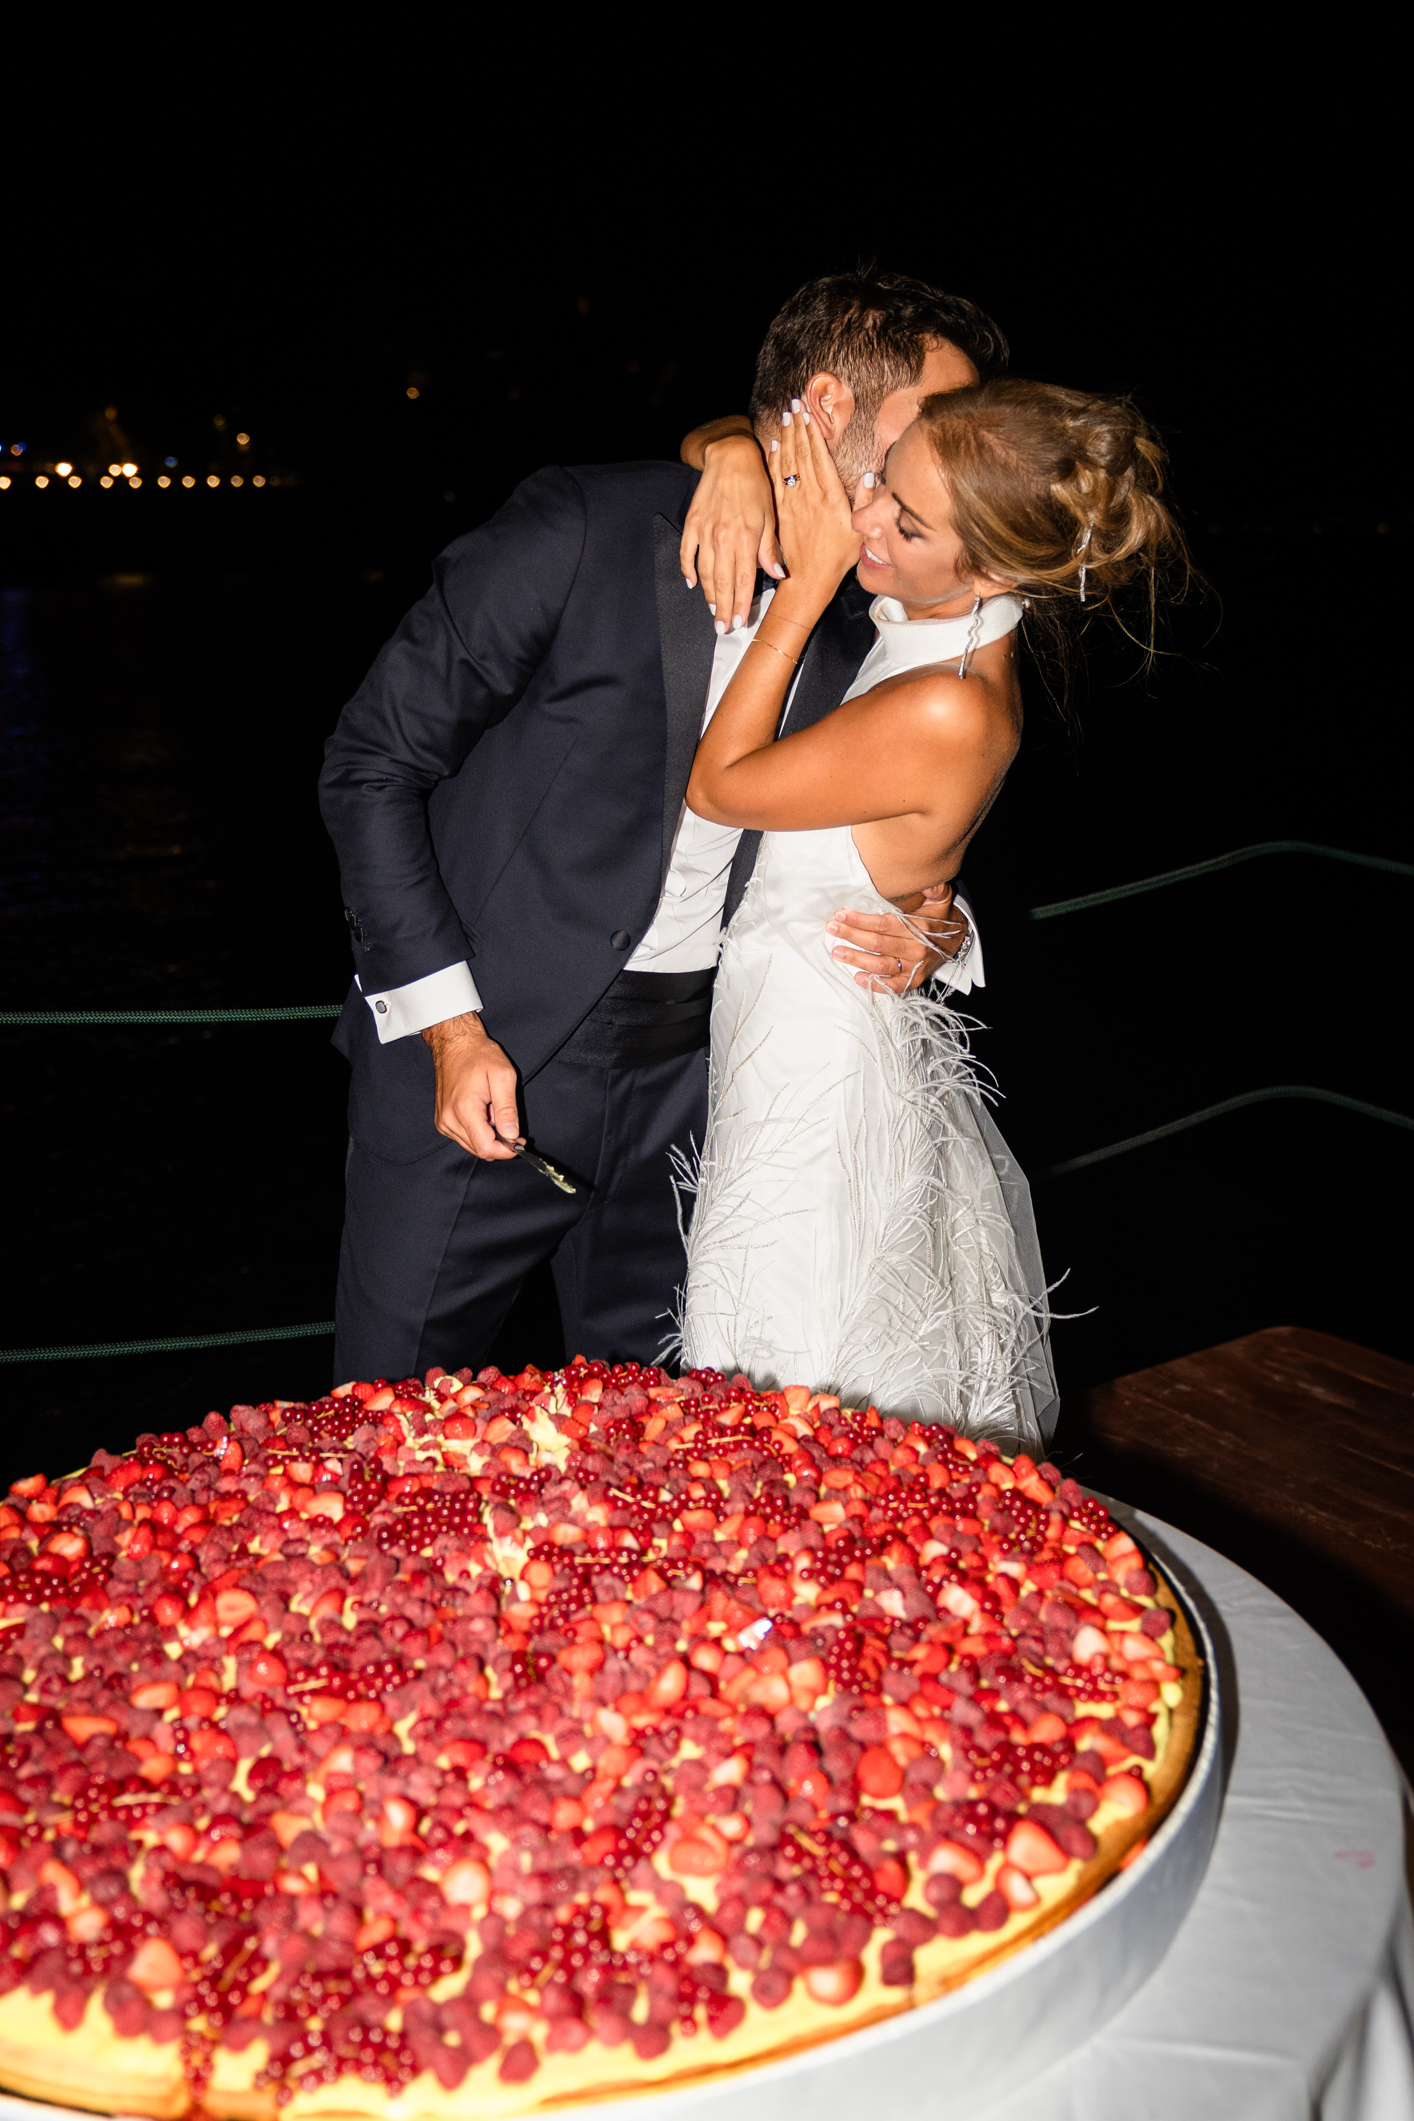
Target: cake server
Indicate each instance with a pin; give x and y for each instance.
(556, 1178)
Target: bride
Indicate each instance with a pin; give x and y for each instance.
(860, 1224)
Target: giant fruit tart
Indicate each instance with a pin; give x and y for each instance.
(511, 1740)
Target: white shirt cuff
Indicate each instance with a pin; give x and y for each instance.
(961, 979)
(400, 1011)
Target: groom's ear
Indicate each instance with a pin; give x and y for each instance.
(829, 400)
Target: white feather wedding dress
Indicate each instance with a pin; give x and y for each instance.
(860, 1224)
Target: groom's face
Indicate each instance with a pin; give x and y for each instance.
(859, 444)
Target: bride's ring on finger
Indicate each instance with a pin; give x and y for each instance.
(792, 478)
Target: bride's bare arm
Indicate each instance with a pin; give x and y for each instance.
(731, 524)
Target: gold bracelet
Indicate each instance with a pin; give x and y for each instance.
(757, 642)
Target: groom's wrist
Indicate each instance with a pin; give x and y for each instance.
(456, 1030)
(953, 936)
(734, 445)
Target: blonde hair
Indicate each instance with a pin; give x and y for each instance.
(1057, 491)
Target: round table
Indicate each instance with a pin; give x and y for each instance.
(1289, 1991)
(1286, 1993)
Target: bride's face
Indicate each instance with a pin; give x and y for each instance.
(911, 550)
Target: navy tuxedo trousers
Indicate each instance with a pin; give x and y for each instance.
(435, 1251)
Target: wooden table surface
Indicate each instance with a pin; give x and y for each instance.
(1293, 1454)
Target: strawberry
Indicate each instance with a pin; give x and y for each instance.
(1016, 1888)
(836, 1984)
(1089, 1642)
(1129, 1792)
(1032, 1850)
(880, 1774)
(952, 1859)
(891, 1879)
(154, 1966)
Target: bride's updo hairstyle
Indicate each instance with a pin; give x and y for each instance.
(1059, 492)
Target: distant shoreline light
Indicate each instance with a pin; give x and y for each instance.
(64, 476)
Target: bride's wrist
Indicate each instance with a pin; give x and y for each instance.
(799, 602)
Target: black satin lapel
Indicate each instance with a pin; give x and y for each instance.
(831, 662)
(687, 639)
(743, 862)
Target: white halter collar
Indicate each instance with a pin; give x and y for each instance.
(917, 641)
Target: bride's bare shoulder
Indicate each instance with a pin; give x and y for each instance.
(981, 711)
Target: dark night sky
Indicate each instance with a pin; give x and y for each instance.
(291, 246)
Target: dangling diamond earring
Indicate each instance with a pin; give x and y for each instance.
(1081, 549)
(972, 632)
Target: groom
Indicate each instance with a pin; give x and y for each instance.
(535, 922)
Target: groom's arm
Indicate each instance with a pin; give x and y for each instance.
(456, 666)
(875, 944)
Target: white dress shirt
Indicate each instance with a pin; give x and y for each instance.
(685, 934)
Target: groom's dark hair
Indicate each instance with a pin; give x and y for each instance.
(871, 329)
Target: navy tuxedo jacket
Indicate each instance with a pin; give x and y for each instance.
(506, 784)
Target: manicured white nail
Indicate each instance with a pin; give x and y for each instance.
(774, 447)
(719, 626)
(806, 417)
(785, 419)
(778, 572)
(795, 405)
(713, 609)
(689, 581)
(736, 621)
(869, 479)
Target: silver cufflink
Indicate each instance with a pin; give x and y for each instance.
(381, 1007)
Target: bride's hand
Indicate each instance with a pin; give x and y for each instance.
(812, 507)
(730, 528)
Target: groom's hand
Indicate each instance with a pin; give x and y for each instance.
(476, 1088)
(730, 529)
(888, 951)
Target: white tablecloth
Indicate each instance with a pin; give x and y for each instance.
(1289, 1991)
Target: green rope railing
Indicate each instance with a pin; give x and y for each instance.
(1229, 1104)
(302, 1012)
(1208, 868)
(167, 1347)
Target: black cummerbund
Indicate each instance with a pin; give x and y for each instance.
(645, 1017)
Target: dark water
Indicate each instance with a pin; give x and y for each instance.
(162, 848)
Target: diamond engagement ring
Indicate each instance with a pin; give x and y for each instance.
(792, 478)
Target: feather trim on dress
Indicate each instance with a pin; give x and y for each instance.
(924, 1309)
